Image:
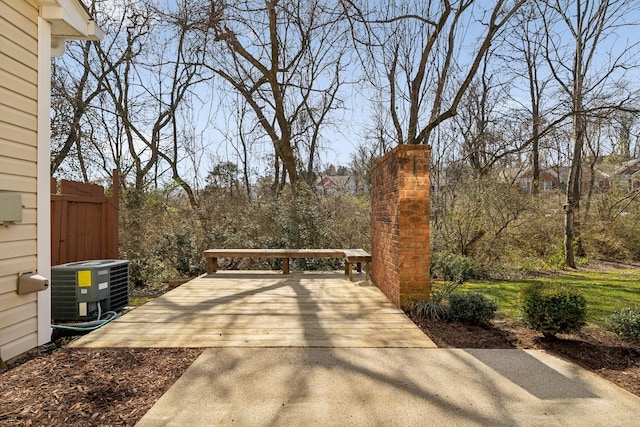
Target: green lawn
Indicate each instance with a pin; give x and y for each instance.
(138, 300)
(606, 291)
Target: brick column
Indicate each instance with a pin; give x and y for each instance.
(400, 223)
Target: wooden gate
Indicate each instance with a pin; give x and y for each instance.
(84, 222)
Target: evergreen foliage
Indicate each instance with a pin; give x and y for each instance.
(552, 309)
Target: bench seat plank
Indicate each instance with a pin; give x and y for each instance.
(274, 253)
(351, 256)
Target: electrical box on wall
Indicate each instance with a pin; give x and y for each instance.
(10, 208)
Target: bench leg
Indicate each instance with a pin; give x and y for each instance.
(212, 265)
(285, 265)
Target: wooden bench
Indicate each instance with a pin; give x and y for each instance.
(357, 257)
(350, 256)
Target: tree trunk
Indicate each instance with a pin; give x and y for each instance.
(572, 206)
(535, 149)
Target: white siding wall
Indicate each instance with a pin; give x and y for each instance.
(18, 170)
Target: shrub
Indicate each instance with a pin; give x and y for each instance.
(553, 309)
(452, 267)
(436, 307)
(625, 323)
(150, 270)
(421, 309)
(471, 307)
(180, 252)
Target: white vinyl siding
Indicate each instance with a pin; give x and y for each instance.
(18, 84)
(18, 170)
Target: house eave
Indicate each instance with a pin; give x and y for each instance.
(70, 20)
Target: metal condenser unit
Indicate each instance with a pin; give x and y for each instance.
(81, 290)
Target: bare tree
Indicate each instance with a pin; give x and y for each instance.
(417, 47)
(131, 106)
(71, 97)
(159, 70)
(526, 59)
(489, 135)
(98, 65)
(285, 59)
(587, 85)
(624, 122)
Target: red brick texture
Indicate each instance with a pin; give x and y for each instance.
(400, 224)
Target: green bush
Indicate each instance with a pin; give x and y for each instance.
(179, 251)
(552, 309)
(471, 307)
(421, 309)
(434, 308)
(453, 267)
(625, 323)
(144, 271)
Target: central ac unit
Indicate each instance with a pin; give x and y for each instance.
(81, 290)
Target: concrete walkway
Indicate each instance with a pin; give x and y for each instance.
(389, 387)
(316, 349)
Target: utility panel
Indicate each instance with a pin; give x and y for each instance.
(10, 208)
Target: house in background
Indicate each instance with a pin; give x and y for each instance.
(628, 176)
(556, 178)
(31, 32)
(331, 184)
(548, 180)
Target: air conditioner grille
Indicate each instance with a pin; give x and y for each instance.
(63, 294)
(119, 283)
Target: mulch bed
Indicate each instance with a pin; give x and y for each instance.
(89, 387)
(592, 348)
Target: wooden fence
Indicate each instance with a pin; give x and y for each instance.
(84, 222)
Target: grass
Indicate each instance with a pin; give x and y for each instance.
(605, 291)
(137, 301)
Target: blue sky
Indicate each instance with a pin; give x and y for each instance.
(213, 126)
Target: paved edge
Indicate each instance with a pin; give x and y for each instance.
(348, 386)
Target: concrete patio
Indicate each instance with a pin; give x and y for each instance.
(317, 349)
